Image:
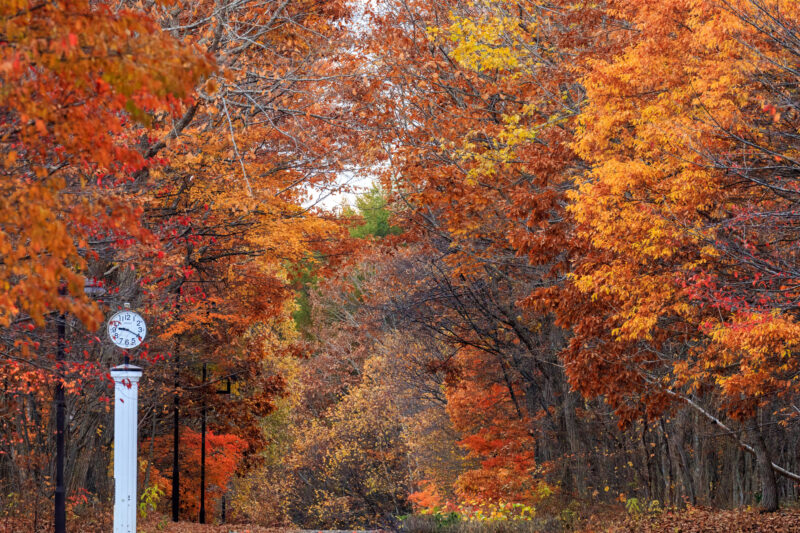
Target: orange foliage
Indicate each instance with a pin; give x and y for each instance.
(224, 453)
(496, 433)
(478, 103)
(66, 130)
(666, 200)
(604, 193)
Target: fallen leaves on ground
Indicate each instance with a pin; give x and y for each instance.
(701, 520)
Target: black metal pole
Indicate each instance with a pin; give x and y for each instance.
(60, 520)
(176, 481)
(203, 456)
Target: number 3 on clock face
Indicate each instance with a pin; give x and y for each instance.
(127, 329)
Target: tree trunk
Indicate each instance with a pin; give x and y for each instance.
(769, 488)
(576, 467)
(683, 461)
(668, 497)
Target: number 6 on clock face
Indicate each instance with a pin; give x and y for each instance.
(127, 329)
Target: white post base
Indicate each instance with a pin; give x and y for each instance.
(126, 396)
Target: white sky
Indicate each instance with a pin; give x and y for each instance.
(332, 201)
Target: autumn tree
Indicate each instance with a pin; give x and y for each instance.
(477, 108)
(192, 220)
(232, 207)
(682, 206)
(474, 106)
(79, 81)
(224, 453)
(67, 154)
(593, 291)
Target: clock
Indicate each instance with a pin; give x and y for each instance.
(127, 329)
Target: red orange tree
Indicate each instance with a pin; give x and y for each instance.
(684, 205)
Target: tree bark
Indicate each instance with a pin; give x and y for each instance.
(683, 461)
(769, 488)
(575, 448)
(746, 447)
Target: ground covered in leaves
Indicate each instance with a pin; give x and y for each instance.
(164, 525)
(691, 520)
(167, 526)
(697, 520)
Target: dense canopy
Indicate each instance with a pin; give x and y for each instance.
(571, 283)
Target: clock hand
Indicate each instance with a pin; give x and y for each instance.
(129, 331)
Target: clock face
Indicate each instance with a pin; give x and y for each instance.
(127, 329)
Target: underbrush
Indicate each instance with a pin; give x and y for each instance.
(633, 517)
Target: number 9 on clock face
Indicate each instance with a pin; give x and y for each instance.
(127, 329)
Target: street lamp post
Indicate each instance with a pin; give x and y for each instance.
(203, 455)
(176, 439)
(60, 508)
(60, 520)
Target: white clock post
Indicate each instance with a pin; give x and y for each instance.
(121, 327)
(126, 396)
